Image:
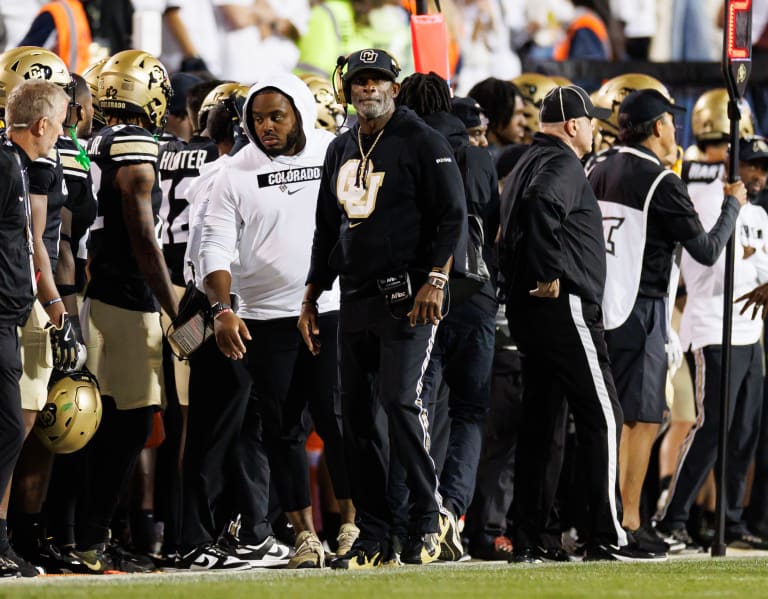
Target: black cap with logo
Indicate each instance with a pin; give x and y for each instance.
(569, 102)
(645, 105)
(371, 59)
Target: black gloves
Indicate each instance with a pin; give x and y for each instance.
(69, 351)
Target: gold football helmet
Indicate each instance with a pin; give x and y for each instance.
(330, 114)
(613, 91)
(225, 91)
(709, 118)
(30, 62)
(91, 76)
(533, 87)
(136, 82)
(71, 414)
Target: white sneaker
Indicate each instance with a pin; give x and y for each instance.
(212, 557)
(267, 554)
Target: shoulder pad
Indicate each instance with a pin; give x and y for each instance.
(702, 172)
(124, 144)
(68, 152)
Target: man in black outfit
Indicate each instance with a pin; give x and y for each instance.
(553, 261)
(35, 113)
(390, 213)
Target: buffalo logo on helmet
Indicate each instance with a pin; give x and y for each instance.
(156, 76)
(369, 56)
(47, 416)
(39, 71)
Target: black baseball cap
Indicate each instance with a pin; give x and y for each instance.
(371, 59)
(468, 111)
(645, 105)
(569, 102)
(753, 148)
(181, 84)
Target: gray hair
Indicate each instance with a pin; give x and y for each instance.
(32, 100)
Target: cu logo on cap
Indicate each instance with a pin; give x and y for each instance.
(368, 56)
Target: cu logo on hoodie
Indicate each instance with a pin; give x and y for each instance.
(358, 202)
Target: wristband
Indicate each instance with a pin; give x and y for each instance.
(217, 309)
(437, 282)
(50, 302)
(308, 302)
(439, 274)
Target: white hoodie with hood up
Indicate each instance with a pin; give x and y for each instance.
(262, 210)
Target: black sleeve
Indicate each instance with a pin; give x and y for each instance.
(550, 200)
(706, 247)
(42, 176)
(672, 208)
(442, 195)
(327, 224)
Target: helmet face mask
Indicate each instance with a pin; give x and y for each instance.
(72, 413)
(135, 82)
(31, 62)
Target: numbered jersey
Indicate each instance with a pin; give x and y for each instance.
(179, 165)
(115, 275)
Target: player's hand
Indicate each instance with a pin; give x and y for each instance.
(308, 327)
(737, 190)
(69, 351)
(427, 306)
(230, 332)
(550, 289)
(757, 298)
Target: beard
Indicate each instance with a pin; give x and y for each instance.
(374, 110)
(293, 138)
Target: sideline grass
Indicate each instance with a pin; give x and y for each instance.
(742, 578)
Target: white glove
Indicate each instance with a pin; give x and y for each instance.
(674, 350)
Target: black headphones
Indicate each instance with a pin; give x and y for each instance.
(341, 89)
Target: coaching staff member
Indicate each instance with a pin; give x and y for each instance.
(553, 259)
(389, 215)
(35, 112)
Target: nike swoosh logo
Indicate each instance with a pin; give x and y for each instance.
(290, 193)
(68, 335)
(96, 566)
(353, 225)
(208, 561)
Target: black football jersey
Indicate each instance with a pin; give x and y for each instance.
(46, 177)
(81, 202)
(115, 275)
(179, 165)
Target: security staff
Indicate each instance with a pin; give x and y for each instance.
(389, 216)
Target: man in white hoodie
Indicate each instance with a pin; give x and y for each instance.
(262, 211)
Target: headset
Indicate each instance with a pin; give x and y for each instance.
(341, 89)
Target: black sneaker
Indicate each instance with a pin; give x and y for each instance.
(500, 550)
(364, 555)
(125, 561)
(8, 569)
(95, 559)
(267, 554)
(746, 540)
(675, 536)
(627, 553)
(26, 569)
(55, 561)
(648, 540)
(211, 557)
(526, 555)
(451, 547)
(553, 554)
(422, 550)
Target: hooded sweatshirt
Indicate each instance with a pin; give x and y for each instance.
(262, 211)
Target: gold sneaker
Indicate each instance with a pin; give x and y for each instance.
(309, 552)
(348, 534)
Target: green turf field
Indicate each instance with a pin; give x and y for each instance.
(742, 578)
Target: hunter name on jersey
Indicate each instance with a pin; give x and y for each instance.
(183, 160)
(294, 175)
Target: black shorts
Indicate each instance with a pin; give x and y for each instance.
(639, 361)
